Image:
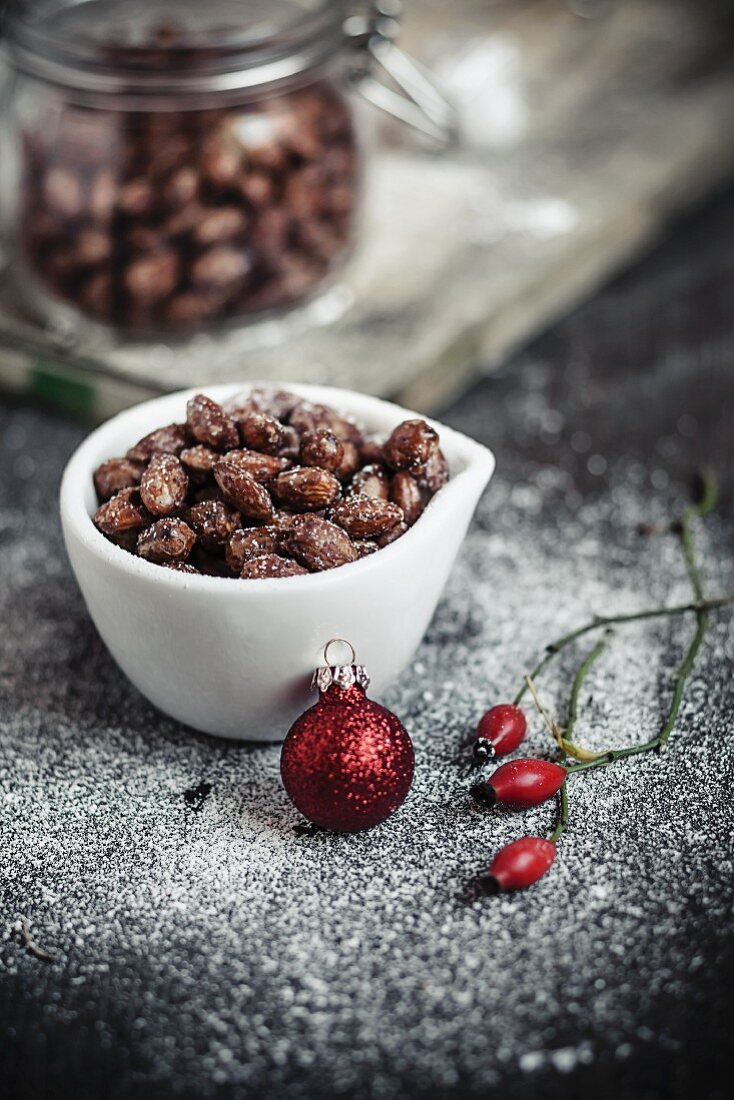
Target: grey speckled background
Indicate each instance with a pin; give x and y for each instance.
(206, 949)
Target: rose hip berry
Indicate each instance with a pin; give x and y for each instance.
(520, 864)
(520, 784)
(499, 732)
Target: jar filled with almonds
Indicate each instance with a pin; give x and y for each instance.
(170, 166)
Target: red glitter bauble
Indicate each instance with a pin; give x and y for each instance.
(347, 763)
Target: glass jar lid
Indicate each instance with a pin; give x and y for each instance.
(174, 47)
(107, 44)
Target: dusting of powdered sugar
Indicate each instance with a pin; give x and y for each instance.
(203, 942)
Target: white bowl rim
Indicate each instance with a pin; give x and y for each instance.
(479, 467)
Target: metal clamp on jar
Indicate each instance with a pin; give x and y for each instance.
(172, 166)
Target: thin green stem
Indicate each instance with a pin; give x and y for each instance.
(601, 621)
(682, 675)
(701, 607)
(655, 744)
(707, 497)
(573, 704)
(685, 535)
(562, 822)
(573, 708)
(708, 493)
(706, 502)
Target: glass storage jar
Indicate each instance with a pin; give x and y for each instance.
(168, 165)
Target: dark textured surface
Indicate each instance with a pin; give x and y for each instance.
(207, 946)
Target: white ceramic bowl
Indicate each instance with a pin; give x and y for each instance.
(235, 658)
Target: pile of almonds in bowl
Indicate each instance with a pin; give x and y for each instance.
(266, 485)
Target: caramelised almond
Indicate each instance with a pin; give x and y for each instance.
(271, 565)
(406, 493)
(147, 218)
(181, 567)
(291, 446)
(349, 463)
(434, 475)
(227, 505)
(164, 485)
(257, 466)
(116, 474)
(364, 517)
(198, 461)
(392, 535)
(251, 542)
(365, 547)
(306, 488)
(308, 417)
(370, 453)
(166, 540)
(214, 523)
(170, 440)
(260, 431)
(410, 445)
(123, 513)
(242, 491)
(318, 544)
(277, 403)
(372, 481)
(321, 448)
(209, 423)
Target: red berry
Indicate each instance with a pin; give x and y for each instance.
(522, 862)
(500, 731)
(521, 783)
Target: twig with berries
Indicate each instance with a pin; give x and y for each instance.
(523, 783)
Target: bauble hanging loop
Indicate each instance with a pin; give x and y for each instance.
(342, 676)
(347, 763)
